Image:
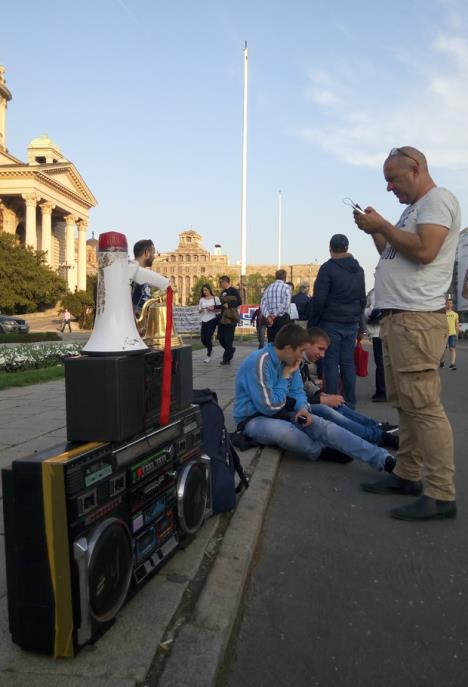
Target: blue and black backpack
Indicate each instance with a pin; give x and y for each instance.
(225, 462)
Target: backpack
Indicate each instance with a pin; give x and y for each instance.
(224, 460)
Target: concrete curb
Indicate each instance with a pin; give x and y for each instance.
(199, 650)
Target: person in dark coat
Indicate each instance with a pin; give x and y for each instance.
(338, 301)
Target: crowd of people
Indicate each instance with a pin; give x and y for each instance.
(409, 320)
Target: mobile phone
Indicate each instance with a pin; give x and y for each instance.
(358, 208)
(301, 420)
(350, 203)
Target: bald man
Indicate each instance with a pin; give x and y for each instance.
(412, 278)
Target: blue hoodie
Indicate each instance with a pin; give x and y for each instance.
(261, 387)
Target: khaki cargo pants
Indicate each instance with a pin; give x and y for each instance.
(413, 346)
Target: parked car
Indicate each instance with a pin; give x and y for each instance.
(8, 324)
(23, 326)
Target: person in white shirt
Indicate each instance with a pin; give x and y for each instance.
(207, 308)
(413, 275)
(275, 304)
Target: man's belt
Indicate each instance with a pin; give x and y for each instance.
(395, 311)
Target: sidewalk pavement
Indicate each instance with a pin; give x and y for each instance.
(176, 629)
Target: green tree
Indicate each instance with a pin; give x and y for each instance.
(256, 284)
(196, 290)
(81, 304)
(27, 283)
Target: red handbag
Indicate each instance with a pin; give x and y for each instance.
(361, 360)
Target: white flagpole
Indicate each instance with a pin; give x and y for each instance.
(244, 173)
(280, 220)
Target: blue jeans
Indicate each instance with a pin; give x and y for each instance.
(309, 441)
(344, 416)
(339, 359)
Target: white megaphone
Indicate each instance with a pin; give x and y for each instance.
(114, 330)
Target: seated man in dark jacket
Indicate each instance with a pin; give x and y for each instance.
(338, 301)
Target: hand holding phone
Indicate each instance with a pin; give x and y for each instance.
(350, 203)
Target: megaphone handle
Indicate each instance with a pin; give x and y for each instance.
(167, 362)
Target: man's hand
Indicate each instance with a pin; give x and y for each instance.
(371, 222)
(303, 412)
(332, 400)
(289, 370)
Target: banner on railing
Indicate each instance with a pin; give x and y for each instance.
(187, 319)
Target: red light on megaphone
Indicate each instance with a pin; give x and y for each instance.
(112, 241)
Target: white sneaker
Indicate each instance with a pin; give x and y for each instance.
(207, 359)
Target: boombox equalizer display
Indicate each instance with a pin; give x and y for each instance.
(86, 524)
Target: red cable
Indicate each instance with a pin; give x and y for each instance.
(167, 363)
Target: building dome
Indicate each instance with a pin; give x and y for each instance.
(44, 141)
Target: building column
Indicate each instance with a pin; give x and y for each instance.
(31, 234)
(69, 265)
(81, 278)
(46, 240)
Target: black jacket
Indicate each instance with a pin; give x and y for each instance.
(339, 292)
(302, 301)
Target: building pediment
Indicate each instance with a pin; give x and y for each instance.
(7, 159)
(67, 176)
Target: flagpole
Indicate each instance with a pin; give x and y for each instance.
(243, 273)
(280, 220)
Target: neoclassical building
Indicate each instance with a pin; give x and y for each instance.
(188, 262)
(45, 202)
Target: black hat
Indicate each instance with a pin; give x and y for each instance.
(339, 243)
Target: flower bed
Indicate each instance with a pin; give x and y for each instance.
(31, 356)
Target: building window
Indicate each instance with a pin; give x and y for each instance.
(187, 258)
(202, 270)
(187, 269)
(172, 269)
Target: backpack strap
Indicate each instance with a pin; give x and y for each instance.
(243, 479)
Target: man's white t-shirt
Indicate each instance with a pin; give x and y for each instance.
(406, 285)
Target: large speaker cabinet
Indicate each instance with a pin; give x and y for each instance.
(86, 524)
(114, 397)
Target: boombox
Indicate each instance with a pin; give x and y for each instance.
(114, 397)
(86, 524)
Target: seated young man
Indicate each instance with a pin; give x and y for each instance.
(268, 382)
(332, 407)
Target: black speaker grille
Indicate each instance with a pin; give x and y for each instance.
(110, 570)
(192, 496)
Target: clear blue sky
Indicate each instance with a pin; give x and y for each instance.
(145, 97)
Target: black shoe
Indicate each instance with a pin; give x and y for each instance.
(452, 367)
(426, 508)
(387, 427)
(441, 364)
(376, 398)
(225, 362)
(390, 463)
(390, 440)
(393, 485)
(333, 456)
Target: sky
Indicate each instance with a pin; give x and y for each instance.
(146, 99)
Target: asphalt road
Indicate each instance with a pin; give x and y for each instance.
(341, 595)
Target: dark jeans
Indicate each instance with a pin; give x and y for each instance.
(66, 324)
(206, 335)
(261, 335)
(226, 338)
(339, 359)
(278, 322)
(379, 366)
